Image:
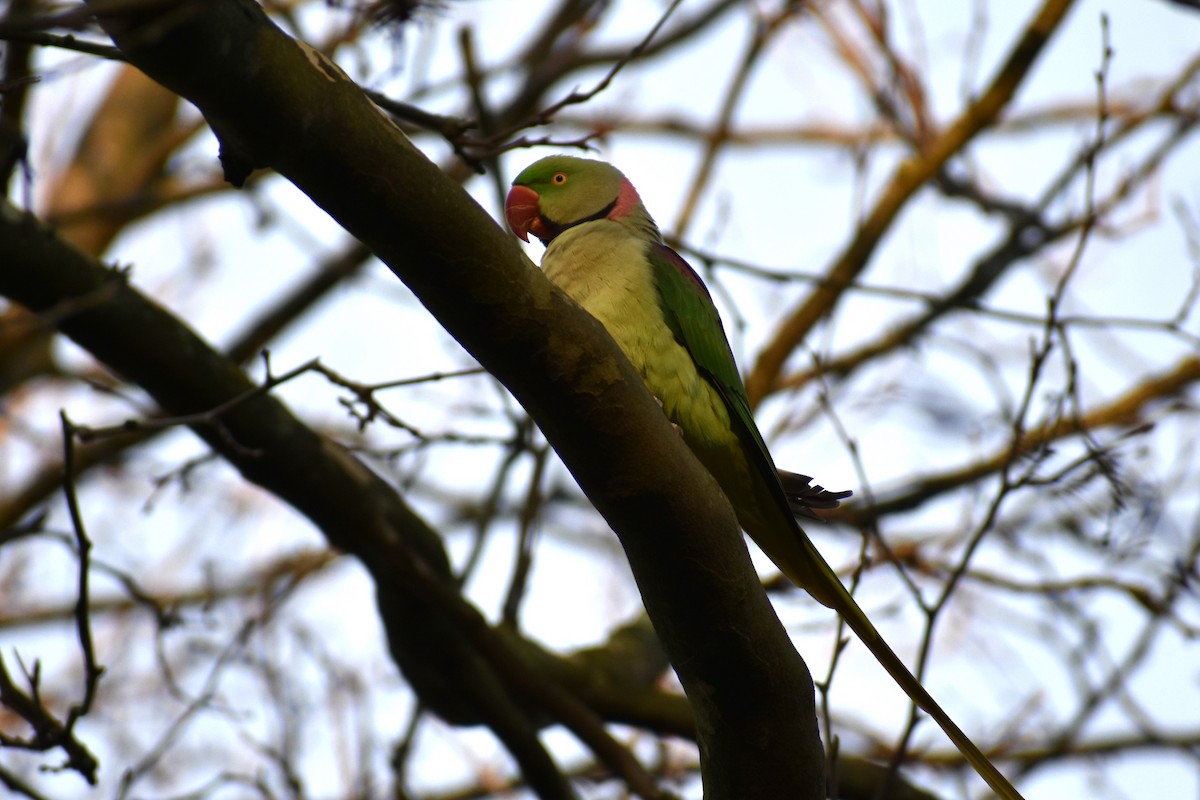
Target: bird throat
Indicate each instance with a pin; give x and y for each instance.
(549, 229)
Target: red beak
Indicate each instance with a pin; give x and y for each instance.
(523, 214)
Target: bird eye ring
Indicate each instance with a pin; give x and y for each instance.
(559, 178)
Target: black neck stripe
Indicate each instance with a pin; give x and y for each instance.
(555, 228)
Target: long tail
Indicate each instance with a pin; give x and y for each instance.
(819, 579)
(766, 500)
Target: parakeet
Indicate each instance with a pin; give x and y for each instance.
(605, 251)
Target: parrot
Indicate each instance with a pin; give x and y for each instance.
(604, 250)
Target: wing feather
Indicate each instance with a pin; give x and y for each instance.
(694, 320)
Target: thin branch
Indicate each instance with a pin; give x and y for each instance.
(909, 176)
(83, 624)
(577, 97)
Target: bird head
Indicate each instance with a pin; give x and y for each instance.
(560, 192)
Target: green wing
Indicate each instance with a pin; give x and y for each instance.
(693, 318)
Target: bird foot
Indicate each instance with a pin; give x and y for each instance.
(677, 429)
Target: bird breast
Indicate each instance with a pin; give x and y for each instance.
(605, 270)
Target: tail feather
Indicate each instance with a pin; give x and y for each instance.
(767, 501)
(813, 573)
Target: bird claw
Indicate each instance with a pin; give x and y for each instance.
(676, 428)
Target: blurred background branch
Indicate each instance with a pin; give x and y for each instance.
(960, 280)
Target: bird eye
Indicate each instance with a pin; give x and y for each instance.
(559, 178)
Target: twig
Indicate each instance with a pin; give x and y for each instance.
(63, 42)
(211, 417)
(83, 623)
(577, 97)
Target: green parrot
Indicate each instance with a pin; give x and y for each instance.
(605, 251)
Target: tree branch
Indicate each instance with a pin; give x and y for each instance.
(910, 175)
(752, 694)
